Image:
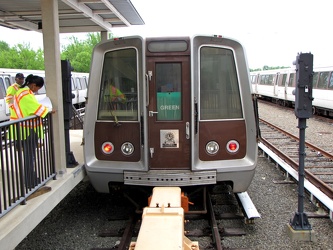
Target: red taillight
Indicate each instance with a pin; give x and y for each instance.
(232, 146)
(107, 147)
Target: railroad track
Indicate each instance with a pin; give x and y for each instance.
(318, 163)
(207, 224)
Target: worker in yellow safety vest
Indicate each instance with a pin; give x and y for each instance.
(26, 104)
(11, 90)
(116, 94)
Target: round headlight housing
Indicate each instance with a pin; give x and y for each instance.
(107, 147)
(232, 146)
(127, 148)
(212, 147)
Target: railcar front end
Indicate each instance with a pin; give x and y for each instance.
(170, 112)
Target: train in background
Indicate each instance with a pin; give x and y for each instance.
(278, 86)
(170, 111)
(79, 84)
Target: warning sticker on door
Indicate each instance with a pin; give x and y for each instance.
(169, 138)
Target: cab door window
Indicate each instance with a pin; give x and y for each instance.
(168, 86)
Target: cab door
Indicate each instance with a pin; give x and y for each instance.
(169, 112)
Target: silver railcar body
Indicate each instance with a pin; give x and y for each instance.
(173, 111)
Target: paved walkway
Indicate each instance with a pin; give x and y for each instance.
(19, 222)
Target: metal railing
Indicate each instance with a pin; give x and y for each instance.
(26, 159)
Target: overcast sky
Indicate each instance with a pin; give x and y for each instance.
(272, 32)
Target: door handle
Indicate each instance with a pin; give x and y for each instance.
(151, 152)
(147, 91)
(151, 113)
(187, 130)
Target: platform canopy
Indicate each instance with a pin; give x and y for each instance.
(52, 17)
(74, 15)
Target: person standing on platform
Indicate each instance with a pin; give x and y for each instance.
(26, 104)
(11, 90)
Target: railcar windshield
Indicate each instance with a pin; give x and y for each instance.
(219, 90)
(118, 96)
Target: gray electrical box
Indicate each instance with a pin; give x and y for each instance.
(303, 91)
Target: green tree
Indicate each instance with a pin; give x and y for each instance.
(21, 56)
(269, 68)
(28, 58)
(79, 52)
(4, 46)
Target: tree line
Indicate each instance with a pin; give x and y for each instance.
(78, 52)
(22, 56)
(269, 68)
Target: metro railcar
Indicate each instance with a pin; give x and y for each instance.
(79, 84)
(169, 111)
(278, 85)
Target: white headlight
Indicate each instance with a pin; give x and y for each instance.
(212, 147)
(127, 148)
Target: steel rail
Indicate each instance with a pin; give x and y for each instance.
(214, 226)
(308, 144)
(326, 189)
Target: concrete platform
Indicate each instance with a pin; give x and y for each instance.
(19, 222)
(301, 235)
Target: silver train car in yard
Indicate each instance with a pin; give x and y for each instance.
(79, 85)
(169, 111)
(278, 86)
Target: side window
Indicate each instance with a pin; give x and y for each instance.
(78, 83)
(284, 80)
(291, 80)
(253, 79)
(262, 79)
(7, 82)
(330, 84)
(265, 79)
(323, 80)
(2, 89)
(270, 79)
(73, 84)
(315, 79)
(84, 82)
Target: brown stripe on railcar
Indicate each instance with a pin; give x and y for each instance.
(222, 132)
(126, 132)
